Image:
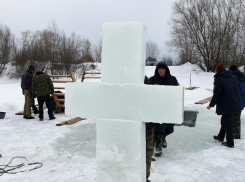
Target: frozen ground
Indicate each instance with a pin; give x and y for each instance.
(68, 152)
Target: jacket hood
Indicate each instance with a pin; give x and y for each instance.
(223, 73)
(28, 71)
(240, 76)
(162, 65)
(39, 73)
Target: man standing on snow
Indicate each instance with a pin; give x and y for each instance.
(26, 81)
(227, 98)
(162, 76)
(42, 87)
(149, 137)
(236, 117)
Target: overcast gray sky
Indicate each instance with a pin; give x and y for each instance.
(85, 17)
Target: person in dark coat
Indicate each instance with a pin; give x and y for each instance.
(162, 76)
(236, 117)
(26, 84)
(42, 87)
(227, 98)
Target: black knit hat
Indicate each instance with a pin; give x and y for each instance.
(233, 68)
(31, 68)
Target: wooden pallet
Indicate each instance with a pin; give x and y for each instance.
(69, 122)
(204, 101)
(60, 103)
(84, 73)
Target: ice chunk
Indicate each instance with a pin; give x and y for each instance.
(123, 53)
(149, 103)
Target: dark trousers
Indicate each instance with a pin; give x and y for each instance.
(34, 108)
(149, 150)
(158, 131)
(47, 100)
(226, 129)
(236, 124)
(169, 129)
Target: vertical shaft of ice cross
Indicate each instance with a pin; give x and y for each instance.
(121, 144)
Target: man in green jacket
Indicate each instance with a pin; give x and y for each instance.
(42, 87)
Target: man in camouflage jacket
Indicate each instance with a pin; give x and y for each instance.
(42, 87)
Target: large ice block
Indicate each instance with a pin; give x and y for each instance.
(123, 53)
(121, 151)
(148, 103)
(123, 98)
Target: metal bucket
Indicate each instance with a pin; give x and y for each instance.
(2, 115)
(190, 118)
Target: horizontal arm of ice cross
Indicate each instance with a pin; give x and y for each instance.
(148, 103)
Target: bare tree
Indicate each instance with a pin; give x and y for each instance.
(51, 50)
(168, 60)
(7, 46)
(152, 49)
(207, 28)
(97, 52)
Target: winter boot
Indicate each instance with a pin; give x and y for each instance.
(227, 145)
(36, 112)
(30, 117)
(51, 118)
(41, 119)
(217, 138)
(164, 142)
(158, 150)
(158, 142)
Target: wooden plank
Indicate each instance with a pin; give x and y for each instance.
(71, 121)
(93, 77)
(61, 100)
(204, 101)
(59, 87)
(73, 76)
(22, 112)
(60, 81)
(57, 76)
(191, 88)
(88, 73)
(59, 94)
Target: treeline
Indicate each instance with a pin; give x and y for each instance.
(209, 32)
(50, 50)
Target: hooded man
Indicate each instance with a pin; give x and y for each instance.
(42, 87)
(26, 85)
(236, 117)
(228, 100)
(162, 76)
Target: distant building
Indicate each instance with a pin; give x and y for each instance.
(151, 61)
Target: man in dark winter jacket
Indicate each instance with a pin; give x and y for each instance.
(227, 98)
(42, 87)
(236, 117)
(162, 76)
(26, 85)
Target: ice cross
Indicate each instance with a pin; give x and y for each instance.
(122, 103)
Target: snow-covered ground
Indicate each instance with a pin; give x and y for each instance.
(68, 152)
